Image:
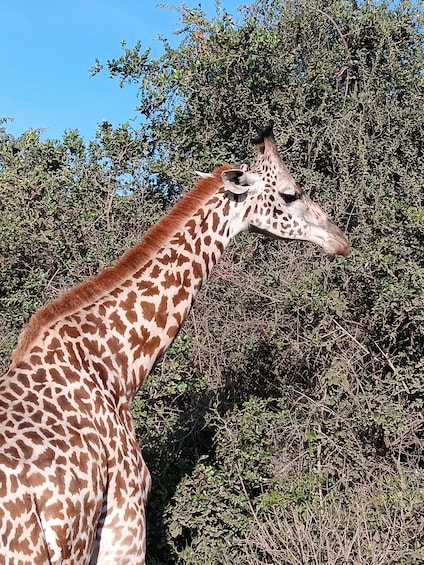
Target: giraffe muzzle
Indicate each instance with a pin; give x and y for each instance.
(335, 242)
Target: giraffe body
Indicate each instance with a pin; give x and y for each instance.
(73, 483)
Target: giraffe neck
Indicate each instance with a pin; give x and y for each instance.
(116, 336)
(156, 299)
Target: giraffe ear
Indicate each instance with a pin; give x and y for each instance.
(237, 181)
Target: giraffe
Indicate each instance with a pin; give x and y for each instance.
(73, 483)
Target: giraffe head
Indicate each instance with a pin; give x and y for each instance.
(274, 203)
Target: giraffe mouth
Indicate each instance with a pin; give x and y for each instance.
(324, 232)
(337, 248)
(333, 241)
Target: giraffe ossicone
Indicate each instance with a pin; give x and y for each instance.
(73, 483)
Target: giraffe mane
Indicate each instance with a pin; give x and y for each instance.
(109, 278)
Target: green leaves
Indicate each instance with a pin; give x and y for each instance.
(129, 66)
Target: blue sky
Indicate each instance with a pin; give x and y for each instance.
(48, 46)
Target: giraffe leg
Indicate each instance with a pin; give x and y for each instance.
(121, 532)
(121, 543)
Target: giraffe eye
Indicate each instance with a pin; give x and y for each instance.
(288, 198)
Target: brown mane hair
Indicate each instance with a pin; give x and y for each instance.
(103, 282)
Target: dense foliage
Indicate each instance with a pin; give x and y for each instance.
(286, 423)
